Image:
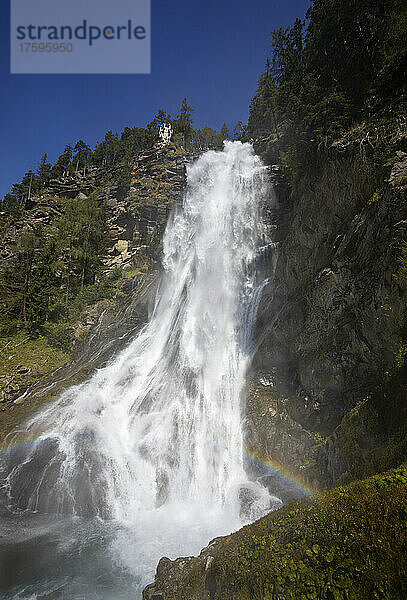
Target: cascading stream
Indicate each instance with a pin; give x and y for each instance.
(146, 458)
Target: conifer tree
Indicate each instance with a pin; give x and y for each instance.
(11, 203)
(82, 156)
(63, 163)
(83, 234)
(43, 171)
(184, 123)
(239, 131)
(222, 135)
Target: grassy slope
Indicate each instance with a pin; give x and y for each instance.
(23, 361)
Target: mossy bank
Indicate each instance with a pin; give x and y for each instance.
(346, 544)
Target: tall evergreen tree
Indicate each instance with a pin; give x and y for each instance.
(109, 150)
(43, 171)
(24, 190)
(184, 123)
(17, 279)
(82, 156)
(11, 204)
(222, 136)
(63, 163)
(239, 131)
(83, 234)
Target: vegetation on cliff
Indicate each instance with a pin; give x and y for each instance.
(345, 544)
(52, 267)
(56, 265)
(116, 152)
(344, 63)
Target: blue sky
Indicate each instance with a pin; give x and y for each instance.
(211, 51)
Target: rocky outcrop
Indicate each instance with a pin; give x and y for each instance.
(137, 221)
(341, 304)
(136, 216)
(279, 449)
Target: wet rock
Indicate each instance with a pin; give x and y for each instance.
(277, 444)
(23, 370)
(164, 565)
(331, 334)
(168, 571)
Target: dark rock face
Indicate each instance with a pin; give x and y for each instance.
(275, 440)
(172, 575)
(332, 319)
(165, 570)
(334, 286)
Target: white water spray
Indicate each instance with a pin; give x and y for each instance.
(153, 442)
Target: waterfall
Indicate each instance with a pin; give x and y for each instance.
(145, 459)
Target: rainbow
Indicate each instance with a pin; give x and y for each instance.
(280, 471)
(285, 476)
(18, 439)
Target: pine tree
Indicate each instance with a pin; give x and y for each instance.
(184, 123)
(17, 279)
(24, 190)
(222, 135)
(134, 140)
(82, 156)
(44, 287)
(239, 131)
(63, 163)
(83, 234)
(11, 204)
(205, 138)
(43, 171)
(109, 150)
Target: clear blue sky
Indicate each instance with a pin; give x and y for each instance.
(211, 51)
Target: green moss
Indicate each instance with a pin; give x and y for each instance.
(346, 544)
(23, 362)
(376, 196)
(372, 437)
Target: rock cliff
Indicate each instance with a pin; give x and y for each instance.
(332, 319)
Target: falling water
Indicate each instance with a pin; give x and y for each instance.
(146, 458)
